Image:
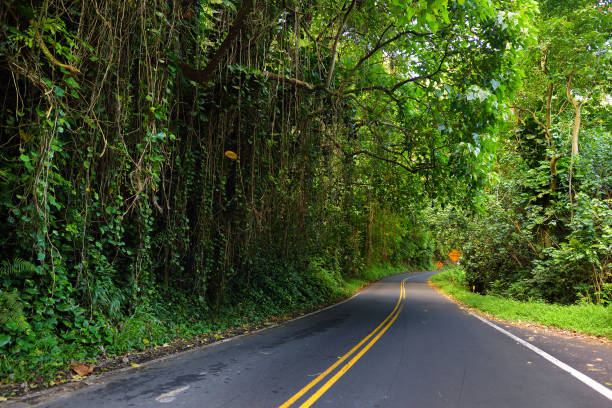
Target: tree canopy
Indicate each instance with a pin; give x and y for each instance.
(192, 159)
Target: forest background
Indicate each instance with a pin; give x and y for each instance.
(168, 167)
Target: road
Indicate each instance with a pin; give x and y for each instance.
(397, 344)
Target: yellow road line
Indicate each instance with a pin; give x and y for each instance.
(314, 397)
(321, 376)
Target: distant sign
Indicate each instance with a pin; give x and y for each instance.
(439, 264)
(454, 255)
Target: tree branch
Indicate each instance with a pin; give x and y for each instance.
(203, 76)
(400, 84)
(395, 87)
(371, 88)
(533, 115)
(413, 170)
(336, 41)
(379, 45)
(293, 81)
(48, 54)
(33, 77)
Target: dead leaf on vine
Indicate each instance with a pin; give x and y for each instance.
(82, 369)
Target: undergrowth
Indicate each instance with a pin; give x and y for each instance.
(582, 317)
(166, 318)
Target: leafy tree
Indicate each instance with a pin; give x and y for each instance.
(531, 242)
(190, 160)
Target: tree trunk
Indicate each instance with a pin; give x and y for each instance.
(575, 133)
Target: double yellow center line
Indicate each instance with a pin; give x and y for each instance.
(376, 334)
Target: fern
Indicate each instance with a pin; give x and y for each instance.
(106, 297)
(17, 269)
(11, 311)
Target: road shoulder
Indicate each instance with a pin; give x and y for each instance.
(591, 355)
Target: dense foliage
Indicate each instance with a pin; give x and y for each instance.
(546, 230)
(172, 160)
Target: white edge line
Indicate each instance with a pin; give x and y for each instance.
(603, 390)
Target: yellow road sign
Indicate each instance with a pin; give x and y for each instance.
(231, 155)
(454, 255)
(439, 264)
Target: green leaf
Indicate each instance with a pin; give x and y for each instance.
(4, 339)
(71, 82)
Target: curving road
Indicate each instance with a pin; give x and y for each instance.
(397, 344)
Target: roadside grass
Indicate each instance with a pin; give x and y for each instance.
(585, 318)
(371, 274)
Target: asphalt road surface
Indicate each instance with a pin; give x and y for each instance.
(397, 344)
